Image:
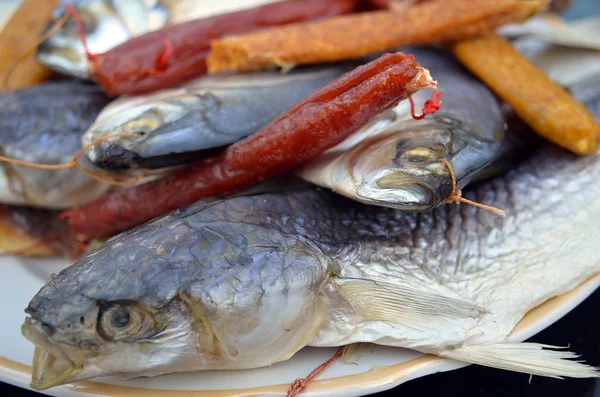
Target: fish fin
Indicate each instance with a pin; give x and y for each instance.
(530, 358)
(405, 305)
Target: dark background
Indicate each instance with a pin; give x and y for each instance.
(579, 330)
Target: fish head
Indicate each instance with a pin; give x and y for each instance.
(401, 169)
(84, 327)
(106, 24)
(144, 120)
(90, 338)
(195, 289)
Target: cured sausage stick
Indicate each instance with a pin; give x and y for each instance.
(315, 124)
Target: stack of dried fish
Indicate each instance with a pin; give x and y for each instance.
(202, 274)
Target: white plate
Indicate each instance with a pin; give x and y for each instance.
(377, 368)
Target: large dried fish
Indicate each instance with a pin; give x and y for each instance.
(248, 281)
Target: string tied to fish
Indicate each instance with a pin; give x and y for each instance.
(73, 163)
(300, 384)
(456, 195)
(72, 12)
(161, 63)
(431, 106)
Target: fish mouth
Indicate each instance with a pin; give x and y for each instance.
(51, 366)
(114, 158)
(400, 191)
(50, 370)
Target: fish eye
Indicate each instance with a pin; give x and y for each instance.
(118, 322)
(145, 122)
(419, 156)
(119, 318)
(140, 127)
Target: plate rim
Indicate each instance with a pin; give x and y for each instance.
(375, 380)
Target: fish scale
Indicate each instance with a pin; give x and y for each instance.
(483, 252)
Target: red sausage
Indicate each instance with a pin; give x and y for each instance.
(177, 53)
(316, 123)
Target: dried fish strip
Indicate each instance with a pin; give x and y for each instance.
(548, 108)
(353, 36)
(18, 39)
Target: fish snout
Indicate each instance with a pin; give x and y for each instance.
(33, 325)
(398, 190)
(51, 366)
(63, 57)
(114, 158)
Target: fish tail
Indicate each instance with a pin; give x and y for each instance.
(531, 358)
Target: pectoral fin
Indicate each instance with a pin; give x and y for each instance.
(377, 301)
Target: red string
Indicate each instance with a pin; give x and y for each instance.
(163, 60)
(83, 246)
(79, 23)
(66, 214)
(431, 106)
(300, 384)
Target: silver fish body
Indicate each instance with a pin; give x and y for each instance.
(180, 125)
(247, 281)
(43, 124)
(106, 23)
(394, 162)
